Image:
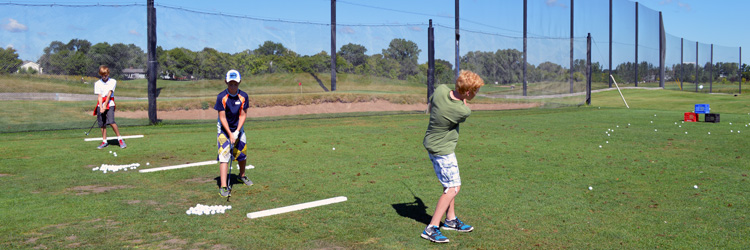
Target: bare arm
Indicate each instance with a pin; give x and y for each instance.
(225, 124)
(243, 116)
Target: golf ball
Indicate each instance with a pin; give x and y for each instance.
(334, 148)
(655, 130)
(607, 141)
(600, 146)
(591, 188)
(685, 132)
(148, 163)
(695, 186)
(709, 133)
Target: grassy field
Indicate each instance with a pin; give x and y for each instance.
(526, 177)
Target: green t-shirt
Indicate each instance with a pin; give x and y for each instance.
(445, 115)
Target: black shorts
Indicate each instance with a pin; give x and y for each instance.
(106, 118)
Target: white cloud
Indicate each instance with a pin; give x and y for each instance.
(13, 25)
(663, 2)
(554, 3)
(684, 6)
(346, 30)
(415, 28)
(134, 32)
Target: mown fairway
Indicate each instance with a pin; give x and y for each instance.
(526, 177)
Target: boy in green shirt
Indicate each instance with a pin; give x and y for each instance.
(447, 110)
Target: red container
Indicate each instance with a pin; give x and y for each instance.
(691, 117)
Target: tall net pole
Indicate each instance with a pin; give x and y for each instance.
(588, 69)
(333, 45)
(610, 43)
(458, 36)
(571, 46)
(152, 62)
(525, 83)
(636, 44)
(430, 61)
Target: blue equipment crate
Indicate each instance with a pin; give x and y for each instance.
(702, 109)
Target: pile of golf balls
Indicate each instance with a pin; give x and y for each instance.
(206, 210)
(114, 168)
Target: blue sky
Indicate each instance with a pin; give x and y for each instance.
(489, 25)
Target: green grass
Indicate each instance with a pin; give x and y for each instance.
(525, 178)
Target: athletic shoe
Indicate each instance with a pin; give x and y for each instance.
(247, 181)
(432, 233)
(224, 192)
(456, 225)
(122, 143)
(103, 145)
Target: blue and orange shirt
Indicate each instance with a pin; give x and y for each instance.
(231, 106)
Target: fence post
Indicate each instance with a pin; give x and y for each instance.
(662, 51)
(610, 43)
(152, 62)
(711, 72)
(430, 61)
(636, 44)
(458, 37)
(741, 68)
(333, 45)
(696, 66)
(682, 63)
(588, 69)
(525, 83)
(571, 46)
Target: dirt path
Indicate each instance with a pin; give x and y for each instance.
(323, 108)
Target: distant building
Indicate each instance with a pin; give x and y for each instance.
(29, 65)
(131, 73)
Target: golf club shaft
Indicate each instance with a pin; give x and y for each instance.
(92, 127)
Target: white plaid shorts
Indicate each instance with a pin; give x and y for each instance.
(446, 169)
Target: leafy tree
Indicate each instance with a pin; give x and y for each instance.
(502, 66)
(9, 61)
(212, 64)
(406, 53)
(443, 72)
(353, 53)
(271, 48)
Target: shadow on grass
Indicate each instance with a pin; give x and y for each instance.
(232, 180)
(415, 210)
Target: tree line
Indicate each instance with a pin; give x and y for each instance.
(398, 61)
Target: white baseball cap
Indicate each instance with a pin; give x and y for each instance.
(233, 75)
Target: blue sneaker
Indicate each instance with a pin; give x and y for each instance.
(456, 225)
(433, 234)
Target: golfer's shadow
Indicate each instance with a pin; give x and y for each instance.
(232, 180)
(415, 210)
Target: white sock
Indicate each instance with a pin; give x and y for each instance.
(119, 138)
(104, 140)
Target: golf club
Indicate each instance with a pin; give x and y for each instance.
(92, 127)
(229, 166)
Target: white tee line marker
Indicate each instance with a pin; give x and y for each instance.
(275, 211)
(113, 137)
(203, 163)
